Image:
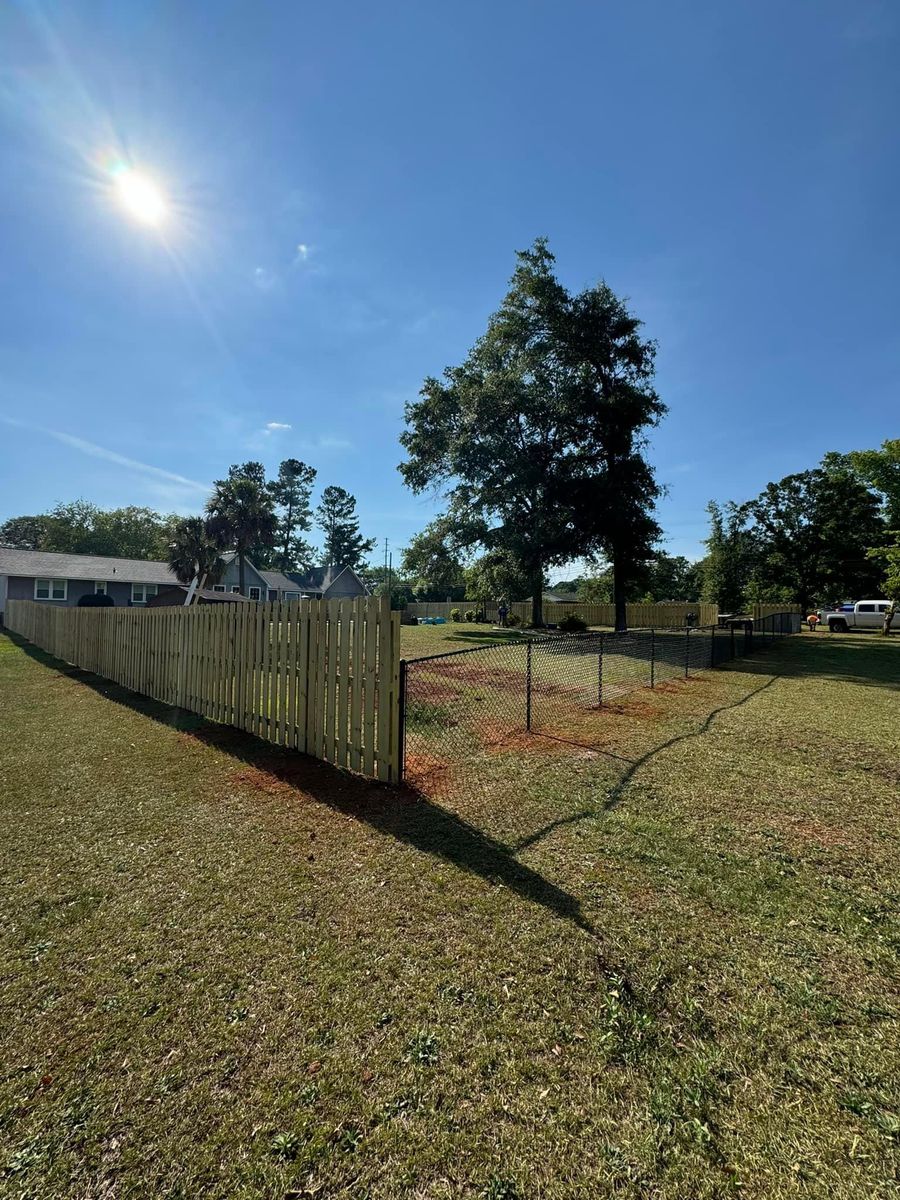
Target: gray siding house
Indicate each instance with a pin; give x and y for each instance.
(63, 579)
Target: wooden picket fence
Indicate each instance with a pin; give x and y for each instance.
(321, 677)
(666, 614)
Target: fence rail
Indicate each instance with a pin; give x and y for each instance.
(321, 677)
(459, 704)
(668, 614)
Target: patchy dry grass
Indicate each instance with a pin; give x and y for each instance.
(665, 968)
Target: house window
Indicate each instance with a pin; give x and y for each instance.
(141, 592)
(100, 587)
(292, 595)
(254, 593)
(273, 594)
(51, 589)
(235, 591)
(218, 587)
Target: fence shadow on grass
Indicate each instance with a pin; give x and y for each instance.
(399, 812)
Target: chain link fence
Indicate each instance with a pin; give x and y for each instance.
(464, 706)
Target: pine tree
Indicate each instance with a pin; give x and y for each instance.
(336, 517)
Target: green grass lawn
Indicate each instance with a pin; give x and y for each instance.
(419, 640)
(665, 967)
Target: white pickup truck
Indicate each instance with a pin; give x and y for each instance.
(866, 614)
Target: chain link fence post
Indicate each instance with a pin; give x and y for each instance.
(712, 646)
(653, 658)
(600, 674)
(528, 688)
(687, 651)
(401, 717)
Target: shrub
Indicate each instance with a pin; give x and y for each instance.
(572, 624)
(514, 620)
(95, 600)
(455, 614)
(470, 614)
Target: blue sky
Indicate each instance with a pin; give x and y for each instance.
(348, 183)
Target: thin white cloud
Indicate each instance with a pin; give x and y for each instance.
(264, 279)
(302, 253)
(275, 426)
(112, 456)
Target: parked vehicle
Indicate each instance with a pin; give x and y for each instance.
(865, 614)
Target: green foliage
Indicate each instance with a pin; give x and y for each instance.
(433, 564)
(572, 624)
(455, 614)
(537, 436)
(496, 575)
(888, 559)
(811, 532)
(597, 589)
(193, 552)
(729, 559)
(291, 493)
(470, 614)
(24, 533)
(513, 620)
(240, 516)
(878, 470)
(336, 517)
(83, 528)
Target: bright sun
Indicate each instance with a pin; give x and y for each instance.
(141, 197)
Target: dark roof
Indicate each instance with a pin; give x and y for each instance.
(280, 581)
(47, 563)
(320, 579)
(561, 597)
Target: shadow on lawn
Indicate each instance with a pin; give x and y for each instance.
(400, 812)
(865, 659)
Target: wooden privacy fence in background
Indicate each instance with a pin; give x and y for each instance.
(318, 676)
(666, 614)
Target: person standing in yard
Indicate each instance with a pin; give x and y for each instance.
(812, 621)
(502, 611)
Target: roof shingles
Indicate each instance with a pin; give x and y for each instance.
(41, 564)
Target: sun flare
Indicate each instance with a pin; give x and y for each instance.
(142, 198)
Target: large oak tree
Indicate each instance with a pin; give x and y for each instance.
(537, 438)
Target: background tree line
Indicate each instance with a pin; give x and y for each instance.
(265, 520)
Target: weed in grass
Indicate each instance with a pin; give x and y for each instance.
(423, 1048)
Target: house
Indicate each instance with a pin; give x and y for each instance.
(332, 583)
(560, 597)
(63, 579)
(172, 597)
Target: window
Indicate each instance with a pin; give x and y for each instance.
(141, 592)
(292, 595)
(218, 587)
(866, 608)
(882, 608)
(273, 594)
(235, 591)
(51, 589)
(254, 593)
(100, 587)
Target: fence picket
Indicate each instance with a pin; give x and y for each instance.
(322, 677)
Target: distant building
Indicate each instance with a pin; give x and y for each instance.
(62, 579)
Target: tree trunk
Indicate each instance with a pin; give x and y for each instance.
(888, 620)
(621, 613)
(241, 573)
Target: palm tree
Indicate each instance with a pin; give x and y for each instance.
(194, 554)
(240, 515)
